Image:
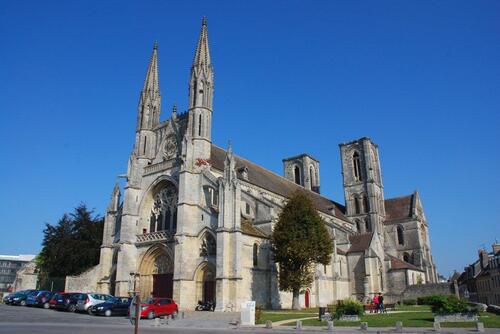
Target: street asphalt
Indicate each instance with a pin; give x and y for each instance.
(29, 320)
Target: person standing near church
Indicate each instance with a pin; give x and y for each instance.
(381, 303)
(375, 302)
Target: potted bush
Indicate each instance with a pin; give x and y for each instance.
(349, 310)
(450, 308)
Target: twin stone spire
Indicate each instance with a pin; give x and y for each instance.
(201, 75)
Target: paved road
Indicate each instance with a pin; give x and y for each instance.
(27, 320)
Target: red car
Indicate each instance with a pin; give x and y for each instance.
(155, 307)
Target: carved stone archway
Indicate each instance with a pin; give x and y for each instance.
(205, 282)
(156, 270)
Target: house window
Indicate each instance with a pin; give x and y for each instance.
(358, 226)
(357, 166)
(324, 269)
(296, 173)
(247, 208)
(255, 255)
(401, 239)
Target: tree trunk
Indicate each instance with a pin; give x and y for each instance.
(295, 300)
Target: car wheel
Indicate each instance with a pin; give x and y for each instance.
(89, 310)
(46, 305)
(23, 303)
(107, 313)
(174, 314)
(151, 315)
(72, 308)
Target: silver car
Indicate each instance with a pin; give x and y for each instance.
(92, 299)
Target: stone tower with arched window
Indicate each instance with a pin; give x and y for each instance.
(303, 170)
(363, 189)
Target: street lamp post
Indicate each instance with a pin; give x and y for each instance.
(137, 299)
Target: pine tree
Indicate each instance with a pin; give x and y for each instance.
(72, 246)
(299, 241)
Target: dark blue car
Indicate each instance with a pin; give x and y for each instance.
(118, 306)
(68, 301)
(19, 297)
(41, 299)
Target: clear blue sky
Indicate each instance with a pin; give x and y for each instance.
(421, 78)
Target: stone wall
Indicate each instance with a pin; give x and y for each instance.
(85, 282)
(26, 278)
(421, 290)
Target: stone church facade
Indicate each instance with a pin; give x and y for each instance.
(194, 220)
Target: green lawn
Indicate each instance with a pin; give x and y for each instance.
(409, 319)
(413, 308)
(279, 315)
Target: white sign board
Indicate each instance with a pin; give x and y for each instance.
(248, 313)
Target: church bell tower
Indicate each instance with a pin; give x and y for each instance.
(363, 189)
(201, 88)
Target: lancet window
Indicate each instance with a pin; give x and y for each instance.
(357, 166)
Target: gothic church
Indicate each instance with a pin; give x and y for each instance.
(194, 220)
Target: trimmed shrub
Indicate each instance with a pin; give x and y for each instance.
(410, 302)
(450, 305)
(429, 300)
(349, 307)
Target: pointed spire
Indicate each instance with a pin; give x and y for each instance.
(151, 83)
(229, 149)
(202, 54)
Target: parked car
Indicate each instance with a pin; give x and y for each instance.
(68, 301)
(91, 299)
(19, 298)
(116, 306)
(40, 299)
(155, 307)
(55, 297)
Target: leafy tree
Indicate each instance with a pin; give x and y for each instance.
(72, 246)
(299, 241)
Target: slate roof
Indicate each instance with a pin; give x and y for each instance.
(399, 264)
(275, 183)
(360, 242)
(398, 207)
(341, 252)
(249, 229)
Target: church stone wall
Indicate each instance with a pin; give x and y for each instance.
(85, 282)
(422, 290)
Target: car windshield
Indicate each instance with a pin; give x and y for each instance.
(148, 301)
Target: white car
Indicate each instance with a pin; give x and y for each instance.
(92, 299)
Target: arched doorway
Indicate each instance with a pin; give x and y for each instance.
(205, 283)
(306, 298)
(157, 272)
